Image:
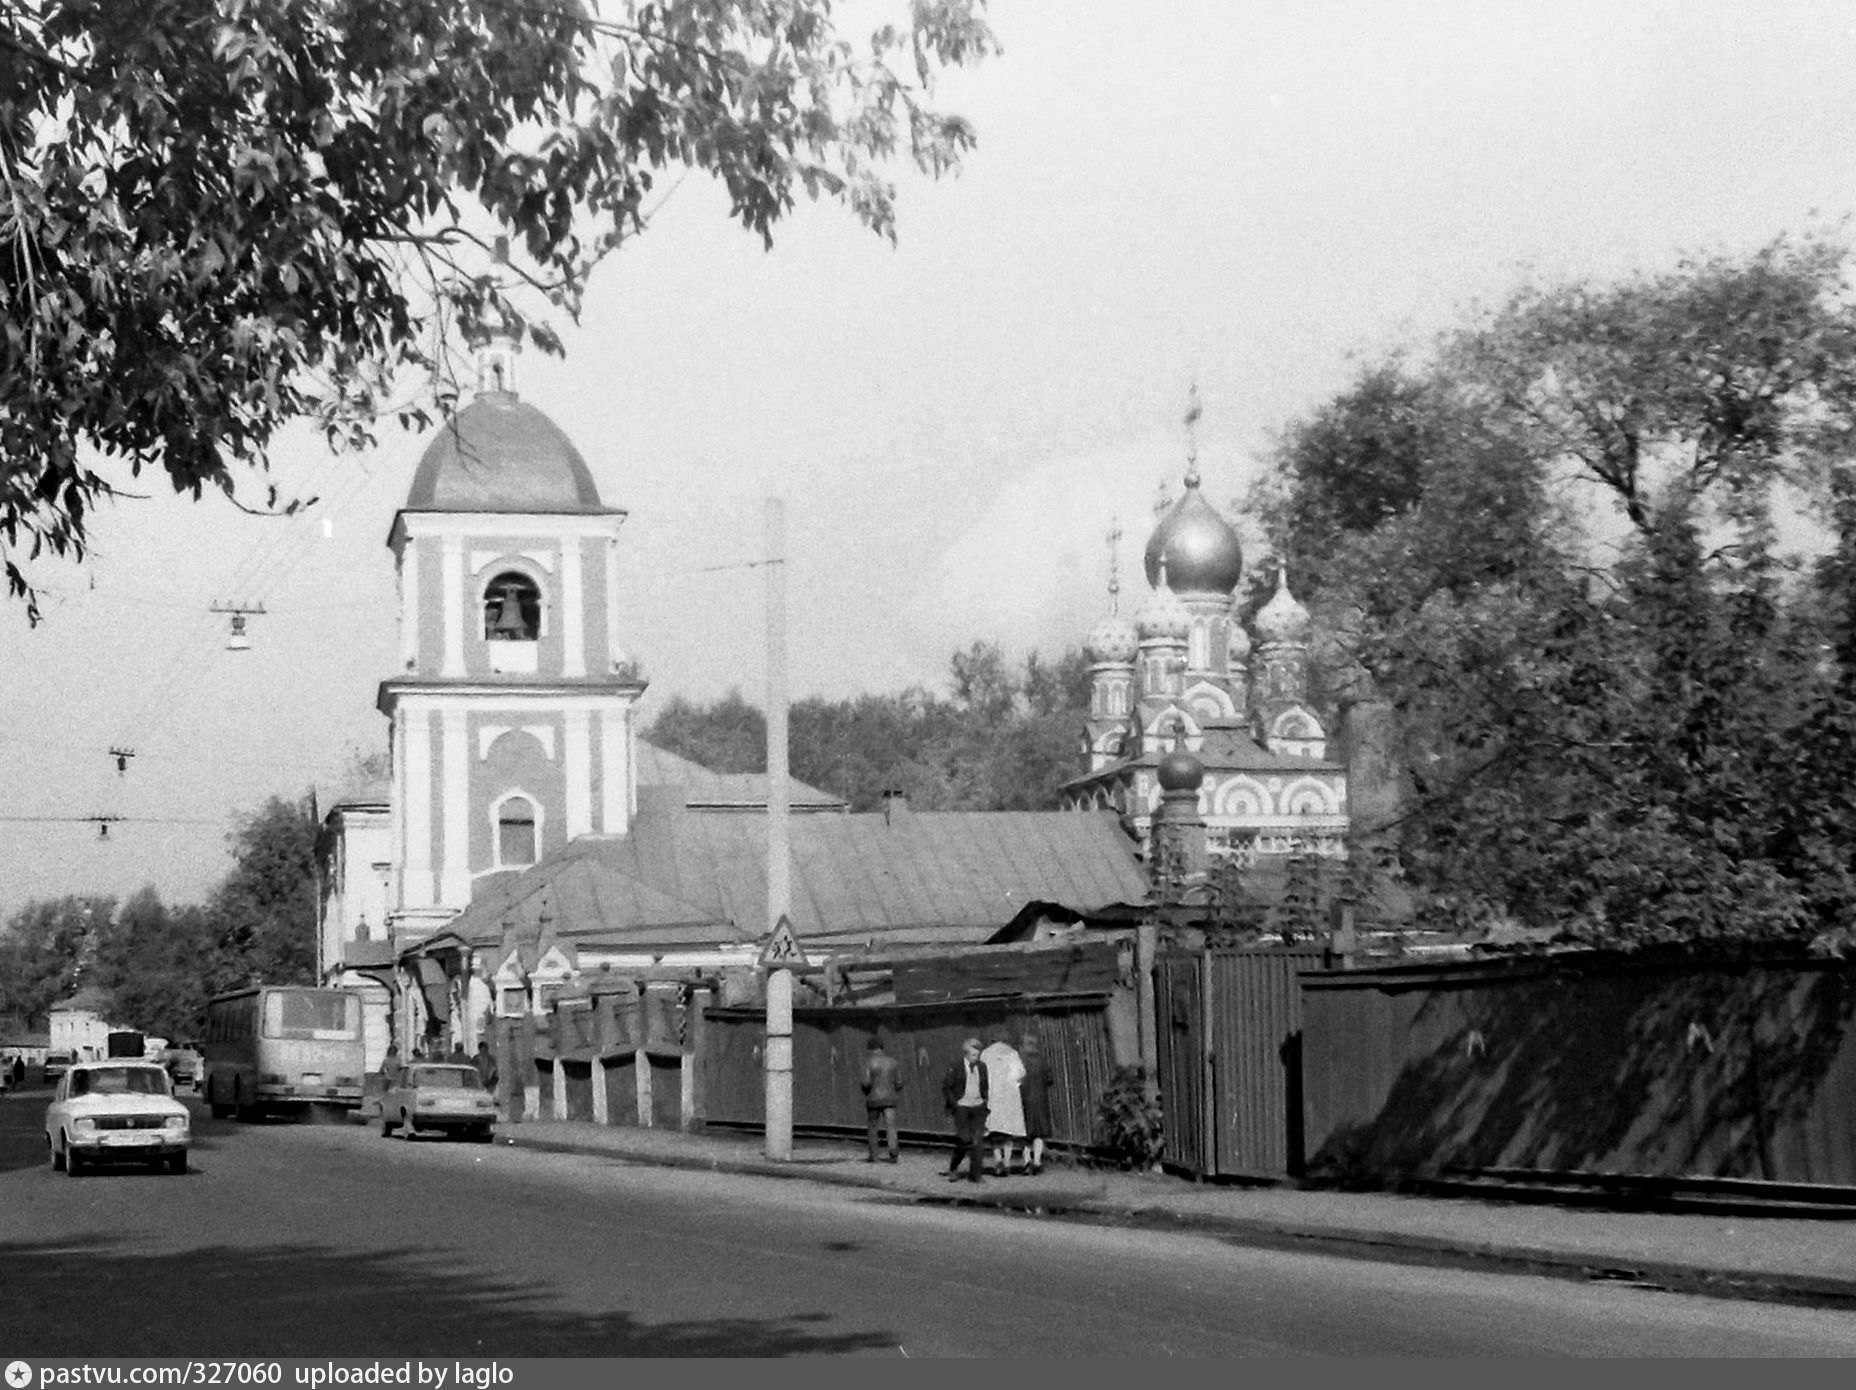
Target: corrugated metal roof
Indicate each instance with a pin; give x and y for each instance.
(953, 876)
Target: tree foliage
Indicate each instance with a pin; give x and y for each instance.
(1004, 738)
(1636, 730)
(265, 910)
(220, 215)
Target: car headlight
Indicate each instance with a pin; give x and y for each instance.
(178, 1122)
(425, 1103)
(83, 1124)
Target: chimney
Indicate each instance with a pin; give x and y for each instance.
(895, 805)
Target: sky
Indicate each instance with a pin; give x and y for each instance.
(1252, 197)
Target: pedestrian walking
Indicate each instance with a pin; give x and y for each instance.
(964, 1089)
(485, 1063)
(1034, 1092)
(391, 1066)
(882, 1081)
(1005, 1115)
(457, 1057)
(19, 1070)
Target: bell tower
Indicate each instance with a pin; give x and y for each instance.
(511, 720)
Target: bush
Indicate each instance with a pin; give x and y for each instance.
(1128, 1124)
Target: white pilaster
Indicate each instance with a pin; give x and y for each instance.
(577, 770)
(612, 604)
(453, 578)
(456, 754)
(573, 608)
(409, 605)
(614, 772)
(416, 796)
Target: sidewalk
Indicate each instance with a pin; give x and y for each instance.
(1797, 1258)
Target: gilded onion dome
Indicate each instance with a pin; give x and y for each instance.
(1283, 619)
(1199, 548)
(1115, 638)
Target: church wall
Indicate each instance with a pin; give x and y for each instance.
(515, 752)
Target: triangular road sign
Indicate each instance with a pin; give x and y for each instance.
(783, 951)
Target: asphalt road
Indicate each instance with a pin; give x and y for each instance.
(328, 1241)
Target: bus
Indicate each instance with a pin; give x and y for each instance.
(272, 1048)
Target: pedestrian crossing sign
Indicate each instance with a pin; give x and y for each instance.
(783, 951)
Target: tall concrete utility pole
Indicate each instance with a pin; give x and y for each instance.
(779, 1049)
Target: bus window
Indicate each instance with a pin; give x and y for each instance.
(311, 1014)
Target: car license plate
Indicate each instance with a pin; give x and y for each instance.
(129, 1139)
(312, 1078)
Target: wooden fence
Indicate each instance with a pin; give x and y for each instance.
(1583, 1064)
(829, 1046)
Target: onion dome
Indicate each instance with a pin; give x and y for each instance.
(1283, 619)
(1236, 640)
(500, 454)
(1115, 638)
(1179, 771)
(1199, 548)
(1164, 617)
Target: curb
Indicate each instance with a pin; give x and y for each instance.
(1342, 1241)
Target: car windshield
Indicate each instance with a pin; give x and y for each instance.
(446, 1078)
(120, 1081)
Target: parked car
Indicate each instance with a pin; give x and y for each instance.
(442, 1097)
(57, 1064)
(116, 1111)
(186, 1067)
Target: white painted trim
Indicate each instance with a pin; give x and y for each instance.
(416, 787)
(573, 609)
(453, 579)
(456, 754)
(539, 814)
(617, 796)
(523, 525)
(614, 652)
(487, 734)
(577, 749)
(487, 699)
(409, 608)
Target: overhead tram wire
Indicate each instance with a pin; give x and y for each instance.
(262, 563)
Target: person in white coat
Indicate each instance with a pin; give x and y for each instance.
(1005, 1112)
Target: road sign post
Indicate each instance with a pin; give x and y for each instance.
(779, 957)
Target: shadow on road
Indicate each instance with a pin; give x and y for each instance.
(91, 1297)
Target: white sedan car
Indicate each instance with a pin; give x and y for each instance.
(116, 1111)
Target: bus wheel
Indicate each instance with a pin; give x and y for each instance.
(216, 1107)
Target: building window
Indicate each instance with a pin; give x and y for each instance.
(515, 833)
(511, 609)
(512, 1001)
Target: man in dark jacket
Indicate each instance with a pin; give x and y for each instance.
(964, 1090)
(882, 1079)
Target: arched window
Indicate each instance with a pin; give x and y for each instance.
(515, 833)
(511, 609)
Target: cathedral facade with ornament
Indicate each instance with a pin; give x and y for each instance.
(1185, 672)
